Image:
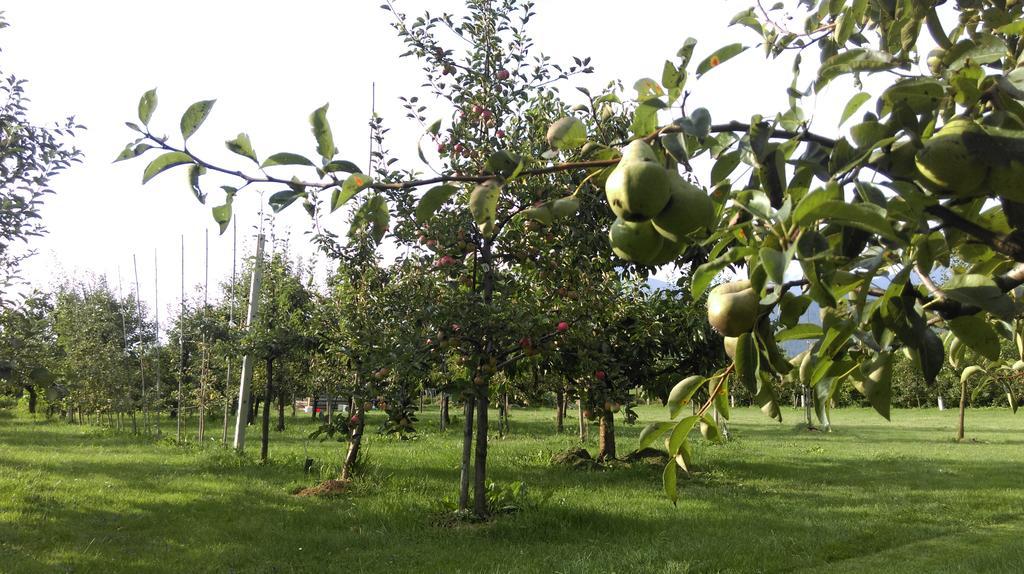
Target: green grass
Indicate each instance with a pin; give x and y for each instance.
(871, 496)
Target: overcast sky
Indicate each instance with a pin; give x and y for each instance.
(268, 66)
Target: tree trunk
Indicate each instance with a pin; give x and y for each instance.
(501, 416)
(560, 411)
(606, 437)
(254, 401)
(467, 454)
(265, 439)
(480, 458)
(445, 418)
(280, 410)
(354, 442)
(32, 398)
(963, 408)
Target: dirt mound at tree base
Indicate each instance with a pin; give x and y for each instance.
(326, 488)
(575, 457)
(648, 456)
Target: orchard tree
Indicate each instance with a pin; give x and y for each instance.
(27, 347)
(30, 155)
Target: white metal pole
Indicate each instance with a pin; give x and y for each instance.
(243, 388)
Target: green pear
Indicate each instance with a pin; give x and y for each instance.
(874, 381)
(733, 308)
(688, 211)
(637, 190)
(946, 164)
(730, 346)
(638, 150)
(669, 252)
(635, 241)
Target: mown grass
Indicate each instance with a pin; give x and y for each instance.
(871, 496)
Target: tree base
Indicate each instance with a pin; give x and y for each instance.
(326, 488)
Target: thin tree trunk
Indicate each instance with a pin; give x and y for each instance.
(354, 442)
(280, 410)
(583, 420)
(501, 417)
(265, 439)
(32, 398)
(227, 416)
(480, 459)
(508, 414)
(330, 408)
(467, 454)
(445, 418)
(560, 411)
(606, 436)
(963, 408)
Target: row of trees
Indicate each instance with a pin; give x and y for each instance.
(927, 179)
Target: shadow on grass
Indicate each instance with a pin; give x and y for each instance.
(743, 514)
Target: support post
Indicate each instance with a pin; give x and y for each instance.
(246, 383)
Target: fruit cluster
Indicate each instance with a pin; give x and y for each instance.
(658, 212)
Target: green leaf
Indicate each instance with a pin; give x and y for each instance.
(322, 133)
(432, 200)
(774, 263)
(243, 147)
(866, 216)
(970, 372)
(801, 331)
(920, 95)
(651, 432)
(980, 50)
(853, 61)
(341, 165)
(194, 117)
(194, 171)
(668, 480)
(353, 184)
(977, 334)
(682, 393)
(853, 105)
(503, 163)
(1015, 28)
(131, 152)
(222, 215)
(745, 360)
(286, 158)
(483, 205)
(147, 105)
(283, 199)
(980, 291)
(680, 432)
(164, 162)
(645, 118)
(725, 165)
(718, 57)
(373, 213)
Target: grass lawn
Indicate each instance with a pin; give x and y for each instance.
(872, 496)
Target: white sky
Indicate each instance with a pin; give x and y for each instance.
(269, 67)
